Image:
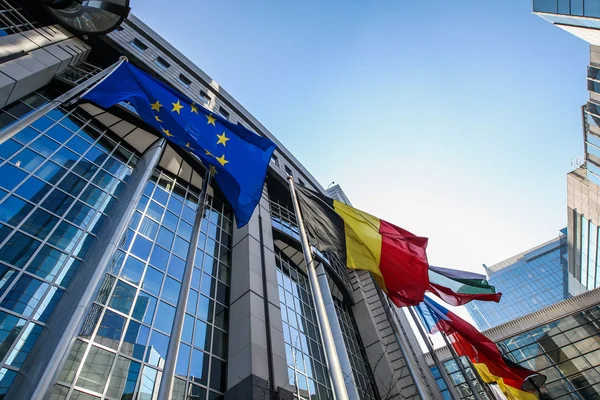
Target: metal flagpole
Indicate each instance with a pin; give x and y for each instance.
(402, 340)
(52, 104)
(166, 385)
(337, 377)
(462, 368)
(436, 360)
(485, 386)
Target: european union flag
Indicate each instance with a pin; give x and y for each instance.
(237, 157)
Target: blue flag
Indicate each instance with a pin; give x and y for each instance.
(237, 157)
(428, 318)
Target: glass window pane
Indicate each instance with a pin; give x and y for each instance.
(25, 295)
(181, 247)
(141, 247)
(171, 289)
(11, 176)
(219, 343)
(110, 330)
(27, 160)
(165, 238)
(72, 364)
(13, 210)
(202, 336)
(152, 280)
(148, 228)
(155, 211)
(159, 258)
(199, 367)
(170, 221)
(65, 237)
(166, 315)
(218, 374)
(33, 189)
(176, 267)
(123, 379)
(122, 298)
(10, 326)
(96, 367)
(144, 308)
(135, 340)
(149, 384)
(58, 202)
(188, 328)
(183, 360)
(39, 224)
(157, 350)
(133, 270)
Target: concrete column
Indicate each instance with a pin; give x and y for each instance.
(257, 365)
(34, 58)
(46, 358)
(338, 337)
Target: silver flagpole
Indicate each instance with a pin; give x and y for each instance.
(402, 341)
(51, 105)
(436, 360)
(166, 386)
(337, 377)
(462, 368)
(457, 358)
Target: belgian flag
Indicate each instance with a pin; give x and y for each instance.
(396, 258)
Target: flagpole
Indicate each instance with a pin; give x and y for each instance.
(485, 386)
(462, 368)
(434, 356)
(15, 128)
(166, 386)
(337, 377)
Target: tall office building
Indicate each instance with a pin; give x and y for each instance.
(97, 214)
(582, 19)
(560, 340)
(529, 281)
(337, 193)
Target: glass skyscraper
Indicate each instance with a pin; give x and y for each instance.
(528, 281)
(562, 342)
(97, 214)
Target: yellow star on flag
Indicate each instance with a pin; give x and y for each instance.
(188, 146)
(157, 119)
(194, 108)
(212, 170)
(166, 132)
(222, 139)
(222, 160)
(208, 153)
(156, 106)
(211, 119)
(176, 107)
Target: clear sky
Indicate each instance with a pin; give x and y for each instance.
(456, 120)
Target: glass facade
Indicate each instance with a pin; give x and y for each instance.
(59, 178)
(122, 347)
(365, 381)
(458, 380)
(586, 253)
(307, 367)
(580, 8)
(534, 280)
(567, 351)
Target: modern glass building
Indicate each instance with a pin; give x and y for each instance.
(561, 341)
(529, 281)
(582, 19)
(97, 216)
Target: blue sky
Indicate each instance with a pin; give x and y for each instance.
(455, 120)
